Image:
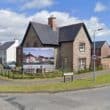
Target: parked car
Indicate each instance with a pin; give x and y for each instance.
(12, 65)
(5, 66)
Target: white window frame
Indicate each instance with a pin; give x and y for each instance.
(82, 63)
(82, 47)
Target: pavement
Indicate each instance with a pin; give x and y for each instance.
(91, 99)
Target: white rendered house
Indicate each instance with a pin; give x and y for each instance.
(8, 52)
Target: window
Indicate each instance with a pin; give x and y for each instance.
(82, 63)
(82, 47)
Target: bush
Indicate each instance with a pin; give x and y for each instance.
(84, 71)
(99, 67)
(19, 75)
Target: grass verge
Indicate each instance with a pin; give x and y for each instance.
(57, 87)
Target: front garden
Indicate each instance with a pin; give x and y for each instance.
(21, 75)
(100, 81)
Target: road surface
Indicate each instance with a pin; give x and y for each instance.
(91, 99)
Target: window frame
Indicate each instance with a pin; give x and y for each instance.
(82, 47)
(82, 63)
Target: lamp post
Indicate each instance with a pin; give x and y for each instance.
(94, 53)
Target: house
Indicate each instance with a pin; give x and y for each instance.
(102, 50)
(8, 52)
(29, 58)
(72, 43)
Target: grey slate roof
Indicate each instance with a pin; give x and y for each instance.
(62, 34)
(68, 33)
(45, 33)
(98, 44)
(6, 45)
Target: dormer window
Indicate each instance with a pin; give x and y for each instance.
(82, 47)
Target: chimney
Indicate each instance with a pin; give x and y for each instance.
(52, 22)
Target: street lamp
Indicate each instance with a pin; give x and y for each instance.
(94, 53)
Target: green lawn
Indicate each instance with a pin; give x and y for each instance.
(75, 85)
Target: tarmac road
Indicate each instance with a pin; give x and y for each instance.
(91, 99)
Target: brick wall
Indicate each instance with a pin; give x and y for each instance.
(81, 38)
(105, 63)
(105, 50)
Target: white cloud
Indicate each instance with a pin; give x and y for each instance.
(63, 18)
(100, 7)
(13, 25)
(37, 4)
(31, 4)
(93, 24)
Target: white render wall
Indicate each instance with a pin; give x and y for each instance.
(11, 52)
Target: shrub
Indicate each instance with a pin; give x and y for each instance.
(19, 75)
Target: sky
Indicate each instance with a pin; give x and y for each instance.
(15, 16)
(47, 52)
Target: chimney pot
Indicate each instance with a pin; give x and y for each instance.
(52, 22)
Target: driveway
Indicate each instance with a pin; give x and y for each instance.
(92, 99)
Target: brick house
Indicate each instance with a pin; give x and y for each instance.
(72, 43)
(102, 50)
(29, 58)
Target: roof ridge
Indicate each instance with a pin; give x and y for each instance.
(72, 25)
(100, 41)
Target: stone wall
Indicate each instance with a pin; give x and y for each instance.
(31, 39)
(81, 38)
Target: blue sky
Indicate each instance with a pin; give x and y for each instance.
(47, 52)
(16, 14)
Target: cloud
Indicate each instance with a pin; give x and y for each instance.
(100, 7)
(13, 25)
(63, 18)
(37, 4)
(31, 4)
(93, 24)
